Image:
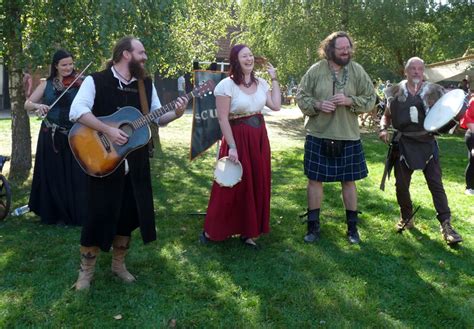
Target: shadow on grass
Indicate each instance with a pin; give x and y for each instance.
(289, 283)
(292, 127)
(390, 280)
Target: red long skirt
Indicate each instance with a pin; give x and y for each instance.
(245, 208)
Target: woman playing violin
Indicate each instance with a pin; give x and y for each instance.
(57, 191)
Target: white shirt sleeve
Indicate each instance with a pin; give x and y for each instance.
(84, 99)
(155, 101)
(224, 88)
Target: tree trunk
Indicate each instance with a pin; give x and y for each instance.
(21, 138)
(20, 164)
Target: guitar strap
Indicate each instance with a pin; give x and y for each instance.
(145, 111)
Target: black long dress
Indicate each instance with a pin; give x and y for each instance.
(58, 191)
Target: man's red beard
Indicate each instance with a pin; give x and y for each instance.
(136, 69)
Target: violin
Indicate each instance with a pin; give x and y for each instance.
(74, 80)
(72, 77)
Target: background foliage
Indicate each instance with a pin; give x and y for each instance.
(176, 32)
(386, 33)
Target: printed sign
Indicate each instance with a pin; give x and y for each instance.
(206, 130)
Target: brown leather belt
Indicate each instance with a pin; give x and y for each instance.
(54, 127)
(254, 121)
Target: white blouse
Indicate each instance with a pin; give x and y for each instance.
(241, 102)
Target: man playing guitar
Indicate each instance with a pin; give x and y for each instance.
(122, 201)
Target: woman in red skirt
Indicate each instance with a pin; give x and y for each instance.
(245, 208)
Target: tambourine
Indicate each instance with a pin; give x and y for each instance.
(227, 173)
(446, 112)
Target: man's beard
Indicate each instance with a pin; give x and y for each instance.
(136, 69)
(342, 62)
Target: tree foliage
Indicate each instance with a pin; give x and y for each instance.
(174, 32)
(386, 33)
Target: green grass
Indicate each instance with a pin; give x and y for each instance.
(390, 280)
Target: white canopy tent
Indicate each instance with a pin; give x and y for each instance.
(451, 70)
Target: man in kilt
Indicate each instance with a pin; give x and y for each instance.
(331, 95)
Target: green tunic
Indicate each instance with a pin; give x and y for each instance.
(317, 85)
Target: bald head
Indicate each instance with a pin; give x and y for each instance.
(414, 60)
(414, 70)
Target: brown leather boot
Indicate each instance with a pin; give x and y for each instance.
(405, 224)
(119, 251)
(86, 272)
(449, 234)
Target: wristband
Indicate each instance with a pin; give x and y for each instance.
(232, 146)
(275, 79)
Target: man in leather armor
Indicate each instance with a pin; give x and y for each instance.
(407, 106)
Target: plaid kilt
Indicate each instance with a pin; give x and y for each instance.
(349, 166)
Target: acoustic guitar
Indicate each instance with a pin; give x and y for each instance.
(98, 156)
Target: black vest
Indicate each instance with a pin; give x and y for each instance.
(402, 113)
(111, 95)
(99, 229)
(409, 116)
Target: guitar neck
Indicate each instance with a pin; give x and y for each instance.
(153, 115)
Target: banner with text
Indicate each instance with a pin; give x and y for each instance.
(206, 130)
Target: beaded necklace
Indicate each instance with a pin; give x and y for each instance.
(345, 76)
(247, 85)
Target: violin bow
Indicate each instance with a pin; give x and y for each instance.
(72, 83)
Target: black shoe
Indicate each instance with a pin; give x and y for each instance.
(203, 238)
(311, 237)
(313, 231)
(61, 224)
(352, 233)
(249, 242)
(353, 237)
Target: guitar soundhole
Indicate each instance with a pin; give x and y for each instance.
(126, 128)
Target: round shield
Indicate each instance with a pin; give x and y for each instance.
(227, 173)
(447, 108)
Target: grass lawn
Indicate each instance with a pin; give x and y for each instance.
(390, 280)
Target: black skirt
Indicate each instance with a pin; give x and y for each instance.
(58, 190)
(119, 203)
